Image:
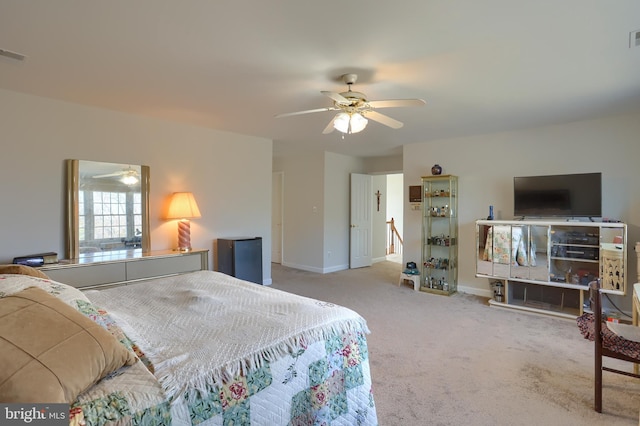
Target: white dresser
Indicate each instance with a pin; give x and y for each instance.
(119, 268)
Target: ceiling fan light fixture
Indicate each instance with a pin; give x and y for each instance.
(341, 122)
(358, 123)
(129, 179)
(349, 123)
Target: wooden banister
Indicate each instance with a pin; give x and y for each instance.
(392, 236)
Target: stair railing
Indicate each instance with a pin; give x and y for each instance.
(393, 237)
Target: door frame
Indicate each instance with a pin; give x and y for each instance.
(277, 216)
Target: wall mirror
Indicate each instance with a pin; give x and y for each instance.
(107, 209)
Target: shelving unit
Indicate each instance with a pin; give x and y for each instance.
(546, 266)
(439, 234)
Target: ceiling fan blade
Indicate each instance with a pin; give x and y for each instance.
(289, 114)
(336, 97)
(394, 103)
(383, 119)
(329, 127)
(127, 172)
(109, 175)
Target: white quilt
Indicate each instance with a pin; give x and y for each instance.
(205, 328)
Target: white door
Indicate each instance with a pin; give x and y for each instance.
(360, 245)
(276, 216)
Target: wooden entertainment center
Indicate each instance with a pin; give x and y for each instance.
(546, 266)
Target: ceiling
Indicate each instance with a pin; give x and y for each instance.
(481, 66)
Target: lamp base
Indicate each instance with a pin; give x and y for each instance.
(184, 235)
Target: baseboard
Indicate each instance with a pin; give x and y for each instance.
(302, 267)
(335, 268)
(314, 269)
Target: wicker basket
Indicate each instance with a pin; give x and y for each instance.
(612, 269)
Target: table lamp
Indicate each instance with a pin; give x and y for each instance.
(183, 206)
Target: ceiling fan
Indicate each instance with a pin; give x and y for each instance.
(354, 109)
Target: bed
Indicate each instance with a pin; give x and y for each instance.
(206, 348)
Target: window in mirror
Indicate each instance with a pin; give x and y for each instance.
(108, 208)
(109, 219)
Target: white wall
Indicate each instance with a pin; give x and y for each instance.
(337, 191)
(229, 174)
(316, 209)
(486, 166)
(303, 210)
(378, 165)
(391, 206)
(322, 180)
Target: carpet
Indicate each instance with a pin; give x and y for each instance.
(454, 360)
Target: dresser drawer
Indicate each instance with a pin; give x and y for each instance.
(89, 275)
(149, 268)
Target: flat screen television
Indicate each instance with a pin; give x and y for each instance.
(571, 195)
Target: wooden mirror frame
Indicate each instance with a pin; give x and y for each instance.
(72, 243)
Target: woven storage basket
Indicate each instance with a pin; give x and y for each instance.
(612, 270)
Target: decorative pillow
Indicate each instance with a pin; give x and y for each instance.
(49, 352)
(22, 270)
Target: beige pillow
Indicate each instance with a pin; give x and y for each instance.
(49, 352)
(22, 270)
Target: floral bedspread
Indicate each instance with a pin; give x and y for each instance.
(326, 382)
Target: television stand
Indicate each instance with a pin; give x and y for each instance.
(546, 266)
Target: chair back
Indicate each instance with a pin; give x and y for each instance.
(595, 298)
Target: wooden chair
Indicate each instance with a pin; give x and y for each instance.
(606, 342)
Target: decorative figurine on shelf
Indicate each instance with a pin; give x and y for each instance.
(436, 170)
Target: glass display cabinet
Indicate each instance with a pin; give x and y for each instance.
(439, 234)
(546, 266)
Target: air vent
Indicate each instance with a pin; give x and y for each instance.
(634, 38)
(12, 55)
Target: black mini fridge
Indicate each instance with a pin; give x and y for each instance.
(241, 257)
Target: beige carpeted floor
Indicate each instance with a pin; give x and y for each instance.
(439, 360)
